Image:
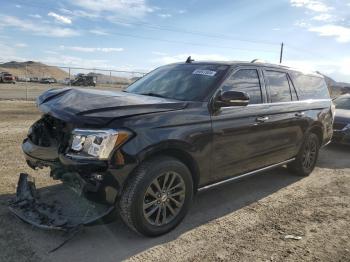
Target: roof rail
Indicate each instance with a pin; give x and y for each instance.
(257, 61)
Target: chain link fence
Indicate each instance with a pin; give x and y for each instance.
(32, 78)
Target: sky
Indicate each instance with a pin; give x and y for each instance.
(140, 35)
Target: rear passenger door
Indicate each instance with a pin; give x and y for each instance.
(283, 116)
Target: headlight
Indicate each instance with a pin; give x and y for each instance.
(96, 144)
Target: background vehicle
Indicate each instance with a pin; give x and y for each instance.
(48, 80)
(6, 77)
(83, 80)
(181, 128)
(341, 124)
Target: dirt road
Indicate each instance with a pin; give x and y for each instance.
(243, 221)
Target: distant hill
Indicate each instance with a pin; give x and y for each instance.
(336, 88)
(33, 69)
(39, 70)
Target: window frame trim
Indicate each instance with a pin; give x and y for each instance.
(234, 71)
(267, 87)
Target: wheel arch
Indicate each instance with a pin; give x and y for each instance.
(178, 153)
(318, 130)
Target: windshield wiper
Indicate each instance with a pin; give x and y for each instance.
(153, 94)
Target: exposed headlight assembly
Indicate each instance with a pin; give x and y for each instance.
(96, 144)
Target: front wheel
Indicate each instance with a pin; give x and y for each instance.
(307, 157)
(157, 197)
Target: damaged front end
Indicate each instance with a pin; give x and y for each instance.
(54, 212)
(88, 191)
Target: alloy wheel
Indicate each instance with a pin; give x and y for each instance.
(164, 198)
(309, 154)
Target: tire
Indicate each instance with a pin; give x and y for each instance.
(307, 157)
(141, 206)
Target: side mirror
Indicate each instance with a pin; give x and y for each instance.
(232, 98)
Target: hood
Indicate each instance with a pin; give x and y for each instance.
(96, 107)
(342, 116)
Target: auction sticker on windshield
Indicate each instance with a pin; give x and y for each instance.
(204, 72)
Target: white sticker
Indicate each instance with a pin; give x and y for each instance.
(204, 72)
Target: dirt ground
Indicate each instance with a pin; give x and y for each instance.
(243, 221)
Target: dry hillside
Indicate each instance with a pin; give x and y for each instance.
(33, 69)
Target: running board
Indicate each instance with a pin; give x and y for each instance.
(245, 175)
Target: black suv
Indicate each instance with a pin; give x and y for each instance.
(180, 129)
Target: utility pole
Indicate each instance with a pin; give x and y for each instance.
(281, 55)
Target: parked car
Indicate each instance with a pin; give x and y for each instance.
(180, 129)
(84, 80)
(48, 80)
(341, 124)
(34, 79)
(6, 77)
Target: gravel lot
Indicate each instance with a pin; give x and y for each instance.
(243, 221)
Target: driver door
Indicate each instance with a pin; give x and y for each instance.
(239, 131)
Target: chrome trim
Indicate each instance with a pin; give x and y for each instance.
(309, 101)
(244, 175)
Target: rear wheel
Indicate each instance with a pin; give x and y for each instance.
(306, 159)
(157, 197)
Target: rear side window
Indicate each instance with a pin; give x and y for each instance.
(310, 87)
(245, 80)
(278, 86)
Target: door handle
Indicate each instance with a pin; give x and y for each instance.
(262, 119)
(300, 114)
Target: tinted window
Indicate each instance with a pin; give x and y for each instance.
(245, 80)
(278, 86)
(310, 87)
(188, 82)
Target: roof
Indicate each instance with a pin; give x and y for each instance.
(257, 63)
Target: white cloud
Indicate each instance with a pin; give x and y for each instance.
(335, 68)
(21, 45)
(165, 15)
(313, 5)
(36, 28)
(134, 8)
(92, 49)
(35, 16)
(159, 53)
(323, 17)
(183, 11)
(73, 61)
(60, 18)
(98, 32)
(18, 6)
(167, 59)
(79, 13)
(276, 29)
(341, 33)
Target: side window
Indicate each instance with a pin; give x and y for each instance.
(245, 80)
(278, 86)
(310, 87)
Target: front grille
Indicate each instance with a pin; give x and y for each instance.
(339, 126)
(48, 131)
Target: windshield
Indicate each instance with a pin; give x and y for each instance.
(187, 82)
(342, 103)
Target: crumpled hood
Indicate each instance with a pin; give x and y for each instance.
(96, 107)
(342, 116)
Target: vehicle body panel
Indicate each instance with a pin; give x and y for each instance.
(215, 143)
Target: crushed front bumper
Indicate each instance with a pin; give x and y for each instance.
(55, 207)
